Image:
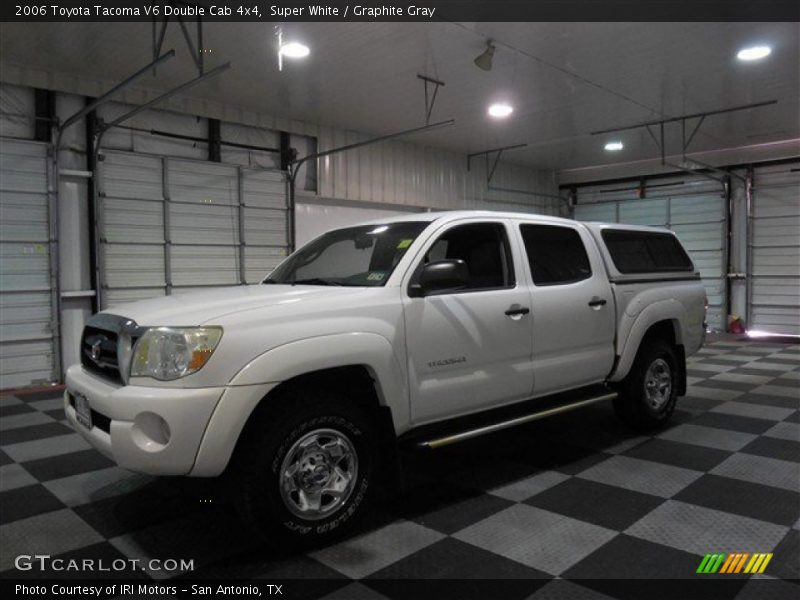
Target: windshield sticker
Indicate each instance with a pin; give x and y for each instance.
(376, 276)
(404, 244)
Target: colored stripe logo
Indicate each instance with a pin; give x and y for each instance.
(735, 562)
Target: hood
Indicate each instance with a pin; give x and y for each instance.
(198, 308)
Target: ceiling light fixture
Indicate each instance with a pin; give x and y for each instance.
(615, 146)
(484, 59)
(500, 110)
(294, 50)
(754, 53)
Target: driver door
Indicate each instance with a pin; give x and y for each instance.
(465, 353)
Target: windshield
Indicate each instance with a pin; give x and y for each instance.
(356, 256)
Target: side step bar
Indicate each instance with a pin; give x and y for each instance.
(479, 431)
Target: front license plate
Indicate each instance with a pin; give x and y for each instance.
(82, 411)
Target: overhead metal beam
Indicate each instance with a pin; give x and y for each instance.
(166, 95)
(489, 151)
(722, 172)
(685, 117)
(495, 188)
(120, 86)
(701, 173)
(425, 128)
(436, 85)
(486, 153)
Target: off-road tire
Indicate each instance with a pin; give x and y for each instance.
(258, 478)
(633, 405)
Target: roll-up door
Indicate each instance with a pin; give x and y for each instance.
(693, 209)
(27, 312)
(774, 253)
(169, 225)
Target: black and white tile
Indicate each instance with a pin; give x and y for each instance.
(562, 507)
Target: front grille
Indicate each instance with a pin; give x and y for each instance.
(100, 345)
(99, 352)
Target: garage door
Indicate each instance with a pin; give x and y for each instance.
(26, 298)
(775, 250)
(694, 210)
(170, 225)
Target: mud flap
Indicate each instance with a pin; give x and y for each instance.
(680, 354)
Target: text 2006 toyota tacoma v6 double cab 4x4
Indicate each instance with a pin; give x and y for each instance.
(427, 329)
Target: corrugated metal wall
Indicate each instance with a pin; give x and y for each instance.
(408, 172)
(394, 172)
(17, 115)
(27, 352)
(775, 250)
(693, 209)
(168, 224)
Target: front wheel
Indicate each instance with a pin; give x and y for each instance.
(304, 477)
(647, 396)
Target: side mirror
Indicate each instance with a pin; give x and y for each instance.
(441, 275)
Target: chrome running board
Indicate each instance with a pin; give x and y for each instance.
(479, 431)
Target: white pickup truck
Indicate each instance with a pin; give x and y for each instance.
(426, 329)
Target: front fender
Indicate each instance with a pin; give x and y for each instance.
(632, 329)
(264, 373)
(371, 350)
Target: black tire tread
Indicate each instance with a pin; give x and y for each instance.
(262, 512)
(629, 405)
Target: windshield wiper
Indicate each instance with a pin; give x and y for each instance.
(315, 281)
(270, 280)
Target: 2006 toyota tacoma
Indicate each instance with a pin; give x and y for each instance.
(426, 329)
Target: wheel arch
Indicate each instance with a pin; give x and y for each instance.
(661, 320)
(365, 359)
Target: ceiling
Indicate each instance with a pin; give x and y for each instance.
(565, 80)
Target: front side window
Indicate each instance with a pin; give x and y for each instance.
(485, 250)
(556, 255)
(355, 256)
(645, 251)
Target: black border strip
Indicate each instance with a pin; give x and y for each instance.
(405, 10)
(618, 281)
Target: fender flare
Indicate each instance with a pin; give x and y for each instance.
(265, 372)
(633, 329)
(371, 350)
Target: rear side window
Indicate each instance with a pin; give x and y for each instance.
(645, 251)
(556, 255)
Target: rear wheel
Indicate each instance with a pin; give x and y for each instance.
(647, 396)
(304, 475)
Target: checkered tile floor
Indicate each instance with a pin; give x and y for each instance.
(575, 498)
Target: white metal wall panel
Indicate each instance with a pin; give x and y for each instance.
(694, 210)
(401, 172)
(605, 212)
(316, 216)
(775, 250)
(170, 225)
(699, 222)
(17, 111)
(26, 328)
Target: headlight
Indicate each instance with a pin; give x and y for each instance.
(167, 353)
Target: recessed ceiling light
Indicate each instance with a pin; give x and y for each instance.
(500, 110)
(754, 53)
(614, 146)
(295, 50)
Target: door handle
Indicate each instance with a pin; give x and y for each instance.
(516, 309)
(597, 302)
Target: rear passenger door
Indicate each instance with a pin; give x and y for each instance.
(470, 348)
(572, 307)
